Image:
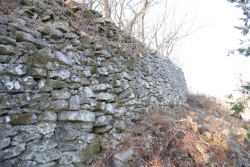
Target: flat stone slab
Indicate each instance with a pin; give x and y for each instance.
(124, 156)
(80, 116)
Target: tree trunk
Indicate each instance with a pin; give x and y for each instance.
(107, 10)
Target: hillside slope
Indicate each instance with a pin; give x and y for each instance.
(73, 86)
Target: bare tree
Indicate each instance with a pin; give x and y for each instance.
(161, 32)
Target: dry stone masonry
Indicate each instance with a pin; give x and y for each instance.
(60, 89)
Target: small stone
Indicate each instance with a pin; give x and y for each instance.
(124, 156)
(103, 129)
(105, 97)
(118, 164)
(88, 52)
(67, 60)
(120, 125)
(71, 36)
(103, 53)
(56, 34)
(46, 127)
(74, 103)
(4, 142)
(49, 164)
(44, 30)
(103, 120)
(110, 108)
(69, 134)
(103, 71)
(28, 82)
(100, 87)
(200, 148)
(61, 74)
(86, 92)
(48, 116)
(117, 136)
(61, 94)
(39, 97)
(36, 72)
(87, 74)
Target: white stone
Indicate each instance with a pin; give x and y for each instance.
(17, 85)
(45, 127)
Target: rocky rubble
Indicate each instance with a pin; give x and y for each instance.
(60, 88)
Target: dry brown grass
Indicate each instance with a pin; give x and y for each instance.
(171, 136)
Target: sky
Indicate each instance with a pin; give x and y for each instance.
(206, 66)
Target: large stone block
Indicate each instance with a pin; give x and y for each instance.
(87, 154)
(23, 138)
(78, 116)
(23, 119)
(7, 50)
(24, 37)
(67, 60)
(61, 94)
(48, 156)
(16, 100)
(13, 69)
(12, 152)
(4, 142)
(71, 145)
(55, 105)
(11, 84)
(7, 130)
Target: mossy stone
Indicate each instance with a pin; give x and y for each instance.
(69, 13)
(90, 151)
(23, 119)
(114, 83)
(93, 70)
(89, 15)
(31, 71)
(56, 84)
(85, 42)
(36, 59)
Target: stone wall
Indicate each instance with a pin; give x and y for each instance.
(60, 89)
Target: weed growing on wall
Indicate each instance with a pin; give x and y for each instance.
(239, 105)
